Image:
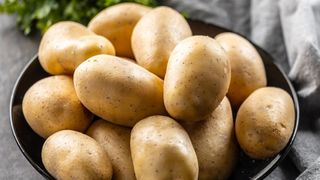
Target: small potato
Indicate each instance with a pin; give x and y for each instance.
(197, 79)
(72, 155)
(67, 44)
(265, 122)
(155, 36)
(118, 90)
(116, 142)
(214, 142)
(247, 69)
(51, 105)
(161, 149)
(116, 23)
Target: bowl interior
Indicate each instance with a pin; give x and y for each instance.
(30, 143)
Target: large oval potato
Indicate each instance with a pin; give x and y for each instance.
(67, 44)
(265, 122)
(116, 23)
(214, 142)
(72, 155)
(197, 79)
(155, 36)
(51, 105)
(161, 149)
(247, 69)
(118, 90)
(116, 142)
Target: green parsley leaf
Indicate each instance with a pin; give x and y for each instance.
(41, 14)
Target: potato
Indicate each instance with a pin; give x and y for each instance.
(247, 69)
(155, 36)
(197, 79)
(116, 142)
(161, 149)
(51, 105)
(71, 155)
(265, 122)
(67, 44)
(118, 90)
(116, 23)
(214, 142)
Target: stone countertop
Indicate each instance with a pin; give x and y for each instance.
(15, 51)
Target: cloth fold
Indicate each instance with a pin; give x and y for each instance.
(290, 31)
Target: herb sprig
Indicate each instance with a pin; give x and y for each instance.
(41, 14)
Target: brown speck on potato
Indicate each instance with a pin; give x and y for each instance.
(283, 126)
(269, 106)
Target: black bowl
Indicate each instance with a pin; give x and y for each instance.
(30, 143)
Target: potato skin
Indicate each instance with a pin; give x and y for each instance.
(71, 155)
(161, 149)
(51, 105)
(247, 69)
(214, 142)
(265, 122)
(116, 23)
(155, 36)
(118, 90)
(197, 79)
(67, 44)
(116, 142)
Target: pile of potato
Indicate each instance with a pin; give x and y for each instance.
(162, 96)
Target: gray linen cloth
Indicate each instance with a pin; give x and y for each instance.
(287, 29)
(290, 31)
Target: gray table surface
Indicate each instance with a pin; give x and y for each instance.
(15, 51)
